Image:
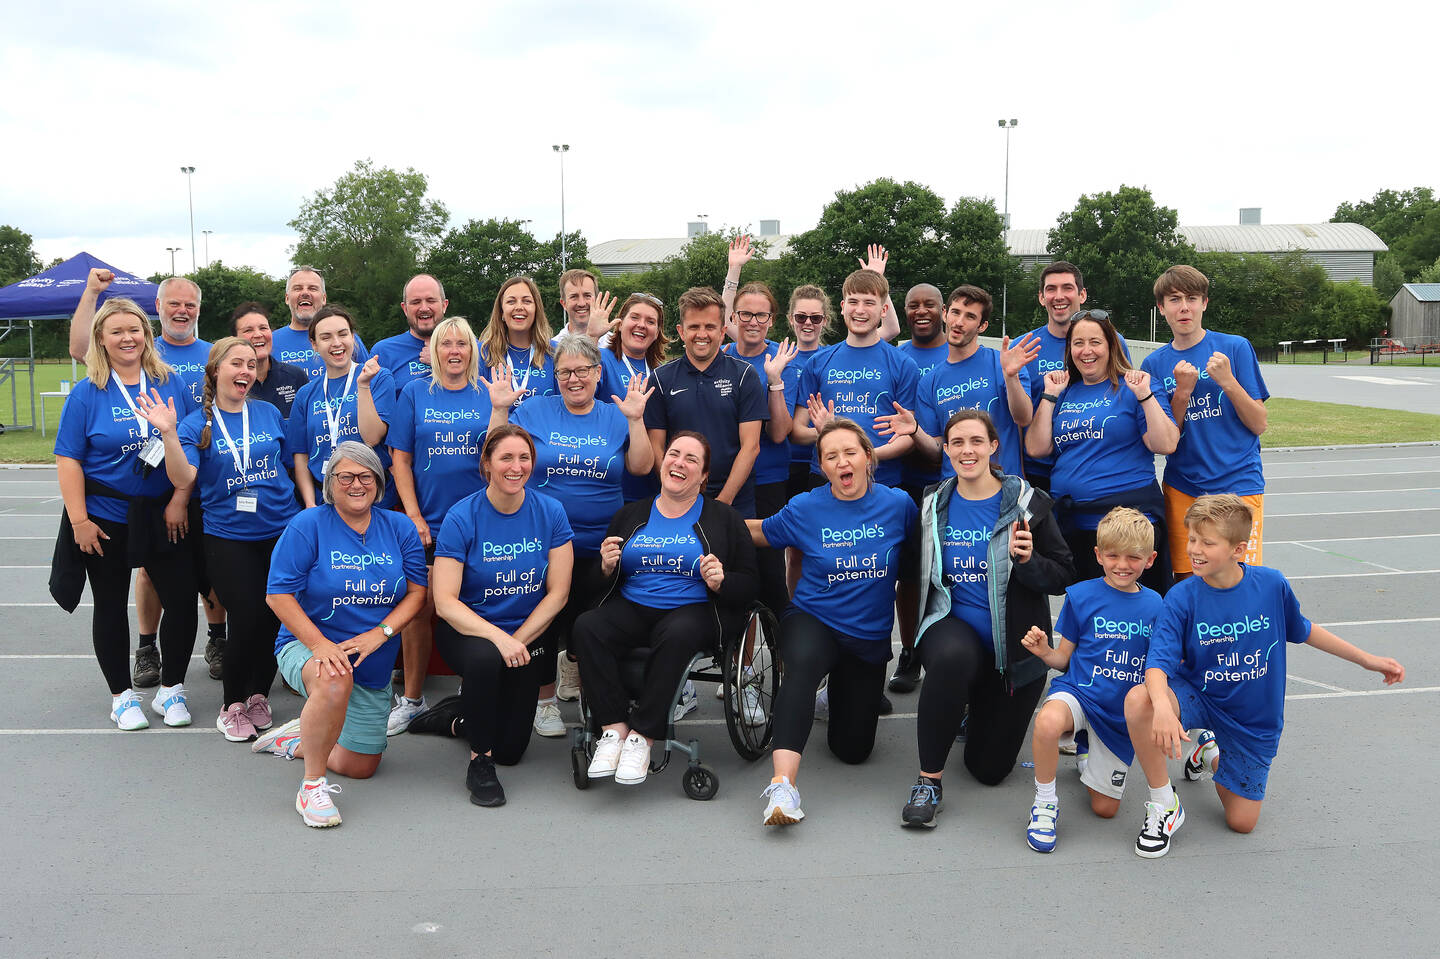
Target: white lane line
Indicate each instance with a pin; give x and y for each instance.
(86, 656)
(1348, 539)
(1271, 494)
(1350, 693)
(1270, 478)
(1403, 572)
(1316, 682)
(24, 567)
(208, 730)
(1362, 459)
(8, 538)
(52, 496)
(1352, 512)
(1326, 552)
(1383, 622)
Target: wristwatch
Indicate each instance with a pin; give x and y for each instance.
(387, 630)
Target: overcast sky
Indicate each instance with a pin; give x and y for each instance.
(740, 110)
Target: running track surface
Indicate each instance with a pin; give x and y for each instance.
(176, 843)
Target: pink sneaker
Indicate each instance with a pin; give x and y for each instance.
(257, 709)
(235, 724)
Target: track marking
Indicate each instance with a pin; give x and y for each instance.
(1348, 539)
(1270, 479)
(1329, 552)
(1352, 512)
(1349, 693)
(1316, 682)
(1358, 492)
(1403, 572)
(1383, 622)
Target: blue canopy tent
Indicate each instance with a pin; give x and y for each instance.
(54, 295)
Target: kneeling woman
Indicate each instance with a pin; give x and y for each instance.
(502, 574)
(685, 571)
(850, 535)
(990, 552)
(344, 579)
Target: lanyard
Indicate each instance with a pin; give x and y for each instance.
(332, 417)
(644, 370)
(242, 466)
(529, 368)
(143, 423)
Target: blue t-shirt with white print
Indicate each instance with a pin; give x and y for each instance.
(289, 345)
(864, 382)
(308, 430)
(220, 481)
(976, 383)
(400, 354)
(188, 362)
(660, 563)
(773, 463)
(964, 551)
(1051, 359)
(528, 379)
(1099, 435)
(442, 430)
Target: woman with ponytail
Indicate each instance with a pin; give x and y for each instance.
(231, 450)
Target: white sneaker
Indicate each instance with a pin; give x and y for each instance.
(126, 713)
(548, 721)
(822, 705)
(315, 806)
(567, 689)
(784, 806)
(607, 755)
(403, 711)
(634, 763)
(751, 712)
(689, 701)
(169, 702)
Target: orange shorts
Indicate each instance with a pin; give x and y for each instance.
(1176, 503)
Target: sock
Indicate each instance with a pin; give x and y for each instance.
(1164, 795)
(217, 631)
(930, 781)
(148, 639)
(1210, 756)
(1045, 793)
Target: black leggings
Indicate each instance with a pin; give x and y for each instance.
(810, 649)
(586, 581)
(497, 701)
(238, 571)
(172, 570)
(960, 671)
(607, 634)
(769, 500)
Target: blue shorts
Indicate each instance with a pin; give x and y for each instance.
(365, 716)
(1242, 771)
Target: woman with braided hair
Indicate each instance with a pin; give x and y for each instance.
(231, 450)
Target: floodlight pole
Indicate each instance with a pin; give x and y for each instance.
(172, 250)
(562, 149)
(189, 172)
(207, 247)
(1004, 235)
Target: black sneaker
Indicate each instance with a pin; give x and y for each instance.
(907, 673)
(886, 706)
(438, 720)
(147, 667)
(924, 803)
(215, 656)
(484, 785)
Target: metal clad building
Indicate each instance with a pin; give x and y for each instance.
(1415, 316)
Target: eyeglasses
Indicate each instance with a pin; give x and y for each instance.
(366, 480)
(748, 317)
(808, 317)
(579, 372)
(1090, 315)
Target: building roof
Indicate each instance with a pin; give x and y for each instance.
(1424, 292)
(1258, 238)
(658, 250)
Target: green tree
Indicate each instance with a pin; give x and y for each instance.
(1121, 241)
(973, 250)
(1407, 220)
(222, 288)
(366, 234)
(1263, 298)
(17, 255)
(1351, 310)
(472, 260)
(1388, 277)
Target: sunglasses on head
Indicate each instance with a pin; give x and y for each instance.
(1090, 315)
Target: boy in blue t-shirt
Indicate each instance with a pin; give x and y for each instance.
(1217, 665)
(1103, 632)
(1211, 382)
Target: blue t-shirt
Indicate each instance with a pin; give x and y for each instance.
(1051, 358)
(864, 382)
(773, 463)
(798, 452)
(505, 556)
(614, 380)
(1099, 433)
(977, 383)
(99, 428)
(660, 564)
(965, 552)
(442, 430)
(400, 354)
(308, 429)
(219, 481)
(1217, 452)
(345, 582)
(1230, 645)
(851, 557)
(579, 460)
(1111, 632)
(530, 380)
(188, 362)
(916, 470)
(289, 345)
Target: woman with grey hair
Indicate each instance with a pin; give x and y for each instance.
(345, 578)
(582, 451)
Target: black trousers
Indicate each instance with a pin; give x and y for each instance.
(769, 500)
(810, 650)
(606, 636)
(960, 671)
(172, 570)
(585, 584)
(496, 700)
(238, 572)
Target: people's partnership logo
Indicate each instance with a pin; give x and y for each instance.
(957, 391)
(432, 415)
(340, 559)
(492, 552)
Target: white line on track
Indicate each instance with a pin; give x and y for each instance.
(1316, 682)
(1348, 539)
(1270, 478)
(1271, 494)
(1404, 572)
(1362, 459)
(1326, 552)
(89, 656)
(1351, 693)
(1352, 512)
(13, 496)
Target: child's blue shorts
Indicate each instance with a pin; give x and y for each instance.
(1242, 771)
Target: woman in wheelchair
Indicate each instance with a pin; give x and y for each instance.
(680, 573)
(850, 535)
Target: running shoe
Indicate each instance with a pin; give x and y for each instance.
(752, 713)
(147, 667)
(607, 755)
(483, 783)
(235, 725)
(126, 713)
(822, 705)
(548, 721)
(315, 806)
(689, 701)
(1198, 763)
(1041, 832)
(783, 808)
(438, 720)
(1160, 824)
(568, 688)
(281, 741)
(169, 702)
(634, 763)
(403, 711)
(257, 710)
(924, 804)
(907, 673)
(215, 657)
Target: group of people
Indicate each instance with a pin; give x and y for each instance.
(537, 506)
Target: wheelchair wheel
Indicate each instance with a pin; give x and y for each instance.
(700, 782)
(752, 680)
(580, 767)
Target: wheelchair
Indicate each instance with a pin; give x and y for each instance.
(741, 665)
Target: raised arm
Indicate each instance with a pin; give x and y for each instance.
(1161, 434)
(96, 283)
(739, 254)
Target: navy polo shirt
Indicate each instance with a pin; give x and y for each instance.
(713, 402)
(282, 381)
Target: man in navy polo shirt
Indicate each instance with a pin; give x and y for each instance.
(407, 355)
(714, 394)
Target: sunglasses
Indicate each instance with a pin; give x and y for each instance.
(808, 317)
(1090, 315)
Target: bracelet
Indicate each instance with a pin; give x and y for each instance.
(1050, 396)
(777, 388)
(732, 284)
(1146, 398)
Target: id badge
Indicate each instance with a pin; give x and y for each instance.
(325, 467)
(246, 501)
(152, 454)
